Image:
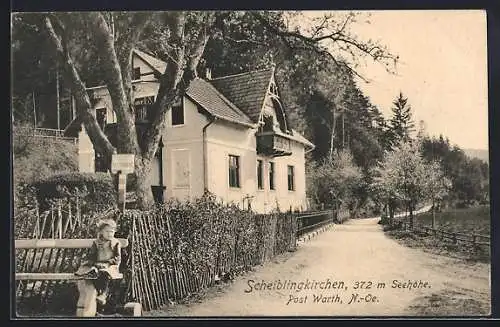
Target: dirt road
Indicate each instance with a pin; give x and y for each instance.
(349, 259)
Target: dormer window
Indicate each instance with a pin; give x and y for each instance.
(136, 73)
(273, 89)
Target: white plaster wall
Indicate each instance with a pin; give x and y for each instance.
(86, 154)
(187, 138)
(223, 140)
(145, 68)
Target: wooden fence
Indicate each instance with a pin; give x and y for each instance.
(476, 240)
(162, 271)
(48, 133)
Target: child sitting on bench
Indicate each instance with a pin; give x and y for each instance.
(103, 260)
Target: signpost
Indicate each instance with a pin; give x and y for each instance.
(122, 164)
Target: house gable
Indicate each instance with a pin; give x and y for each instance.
(247, 90)
(254, 93)
(273, 105)
(150, 67)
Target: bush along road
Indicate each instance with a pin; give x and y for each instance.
(353, 269)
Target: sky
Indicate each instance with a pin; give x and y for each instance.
(442, 69)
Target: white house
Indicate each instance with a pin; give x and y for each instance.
(230, 135)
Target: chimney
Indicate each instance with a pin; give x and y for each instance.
(208, 73)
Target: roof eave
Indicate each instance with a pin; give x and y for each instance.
(251, 125)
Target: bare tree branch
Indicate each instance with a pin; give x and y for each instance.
(337, 37)
(320, 27)
(244, 41)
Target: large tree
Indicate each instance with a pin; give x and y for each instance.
(403, 176)
(401, 123)
(181, 39)
(437, 186)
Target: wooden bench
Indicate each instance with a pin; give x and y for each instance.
(86, 305)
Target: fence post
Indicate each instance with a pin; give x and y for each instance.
(132, 261)
(37, 227)
(52, 228)
(59, 219)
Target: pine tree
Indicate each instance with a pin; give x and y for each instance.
(401, 124)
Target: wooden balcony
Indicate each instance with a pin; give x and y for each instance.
(273, 145)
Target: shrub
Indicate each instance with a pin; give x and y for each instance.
(25, 208)
(329, 182)
(39, 157)
(384, 219)
(204, 234)
(97, 190)
(24, 197)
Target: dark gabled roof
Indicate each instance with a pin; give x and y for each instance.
(237, 98)
(247, 90)
(207, 96)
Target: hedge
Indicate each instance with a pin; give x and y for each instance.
(96, 189)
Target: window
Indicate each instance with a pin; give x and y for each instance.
(100, 114)
(143, 108)
(271, 175)
(234, 171)
(177, 114)
(260, 179)
(291, 178)
(136, 73)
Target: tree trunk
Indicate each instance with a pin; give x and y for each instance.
(391, 209)
(433, 214)
(83, 105)
(126, 132)
(143, 190)
(410, 209)
(332, 136)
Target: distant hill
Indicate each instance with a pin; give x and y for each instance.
(478, 153)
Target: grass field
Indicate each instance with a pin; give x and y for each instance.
(474, 220)
(471, 220)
